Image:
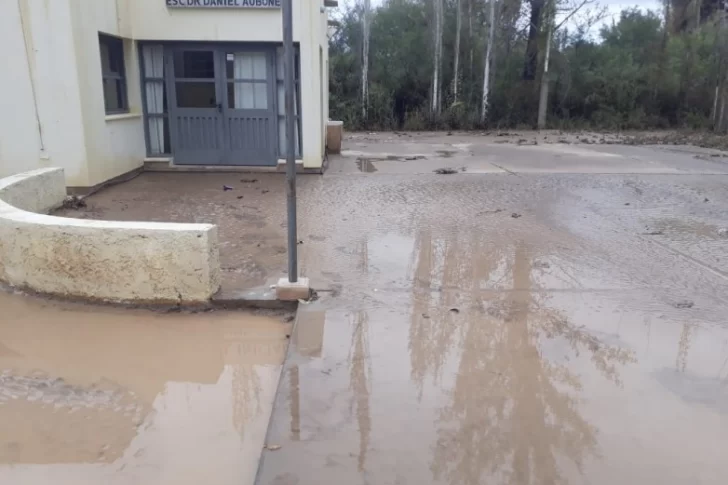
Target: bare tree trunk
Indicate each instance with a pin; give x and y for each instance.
(543, 99)
(488, 54)
(437, 57)
(456, 74)
(714, 111)
(534, 28)
(470, 33)
(366, 29)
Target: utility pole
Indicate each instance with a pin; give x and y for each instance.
(293, 287)
(288, 80)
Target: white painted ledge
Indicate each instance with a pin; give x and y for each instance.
(99, 260)
(123, 116)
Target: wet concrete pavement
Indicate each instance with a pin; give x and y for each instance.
(93, 396)
(547, 315)
(510, 328)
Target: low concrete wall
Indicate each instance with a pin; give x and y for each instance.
(99, 260)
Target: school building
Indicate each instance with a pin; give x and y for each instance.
(98, 87)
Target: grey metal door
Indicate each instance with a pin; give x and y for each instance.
(249, 114)
(196, 110)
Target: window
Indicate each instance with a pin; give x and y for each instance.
(112, 74)
(155, 100)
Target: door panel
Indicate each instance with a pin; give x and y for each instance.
(249, 108)
(197, 118)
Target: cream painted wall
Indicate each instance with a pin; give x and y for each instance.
(152, 20)
(114, 144)
(45, 80)
(61, 76)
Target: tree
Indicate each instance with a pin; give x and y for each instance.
(487, 62)
(550, 11)
(456, 69)
(366, 31)
(437, 31)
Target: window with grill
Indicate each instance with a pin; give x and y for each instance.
(113, 74)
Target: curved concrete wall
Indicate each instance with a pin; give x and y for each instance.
(99, 260)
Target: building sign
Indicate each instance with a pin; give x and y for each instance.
(224, 3)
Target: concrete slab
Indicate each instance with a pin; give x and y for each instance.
(293, 291)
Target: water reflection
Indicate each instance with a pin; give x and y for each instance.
(127, 397)
(513, 416)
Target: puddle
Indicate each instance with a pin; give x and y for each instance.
(365, 165)
(92, 396)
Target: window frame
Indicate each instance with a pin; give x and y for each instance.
(115, 48)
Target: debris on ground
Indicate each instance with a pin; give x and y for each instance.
(494, 211)
(463, 169)
(723, 232)
(248, 181)
(425, 316)
(706, 200)
(515, 215)
(655, 232)
(240, 197)
(273, 447)
(226, 188)
(73, 202)
(454, 310)
(445, 171)
(314, 296)
(289, 318)
(626, 203)
(684, 304)
(264, 191)
(300, 242)
(541, 265)
(416, 157)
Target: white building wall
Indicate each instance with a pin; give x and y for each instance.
(44, 81)
(114, 144)
(60, 78)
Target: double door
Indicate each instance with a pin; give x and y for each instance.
(222, 105)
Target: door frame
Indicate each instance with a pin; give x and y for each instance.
(220, 49)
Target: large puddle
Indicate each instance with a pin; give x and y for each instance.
(133, 397)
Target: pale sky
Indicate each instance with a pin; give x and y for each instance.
(614, 7)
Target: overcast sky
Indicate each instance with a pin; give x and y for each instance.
(614, 7)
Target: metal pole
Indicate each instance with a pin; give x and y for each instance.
(288, 80)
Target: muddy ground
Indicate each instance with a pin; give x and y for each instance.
(93, 396)
(550, 313)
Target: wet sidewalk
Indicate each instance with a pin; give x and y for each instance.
(93, 396)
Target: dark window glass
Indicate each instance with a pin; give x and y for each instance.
(194, 64)
(113, 74)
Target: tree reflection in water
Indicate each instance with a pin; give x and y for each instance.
(513, 417)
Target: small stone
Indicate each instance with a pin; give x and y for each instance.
(723, 232)
(684, 304)
(515, 215)
(454, 310)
